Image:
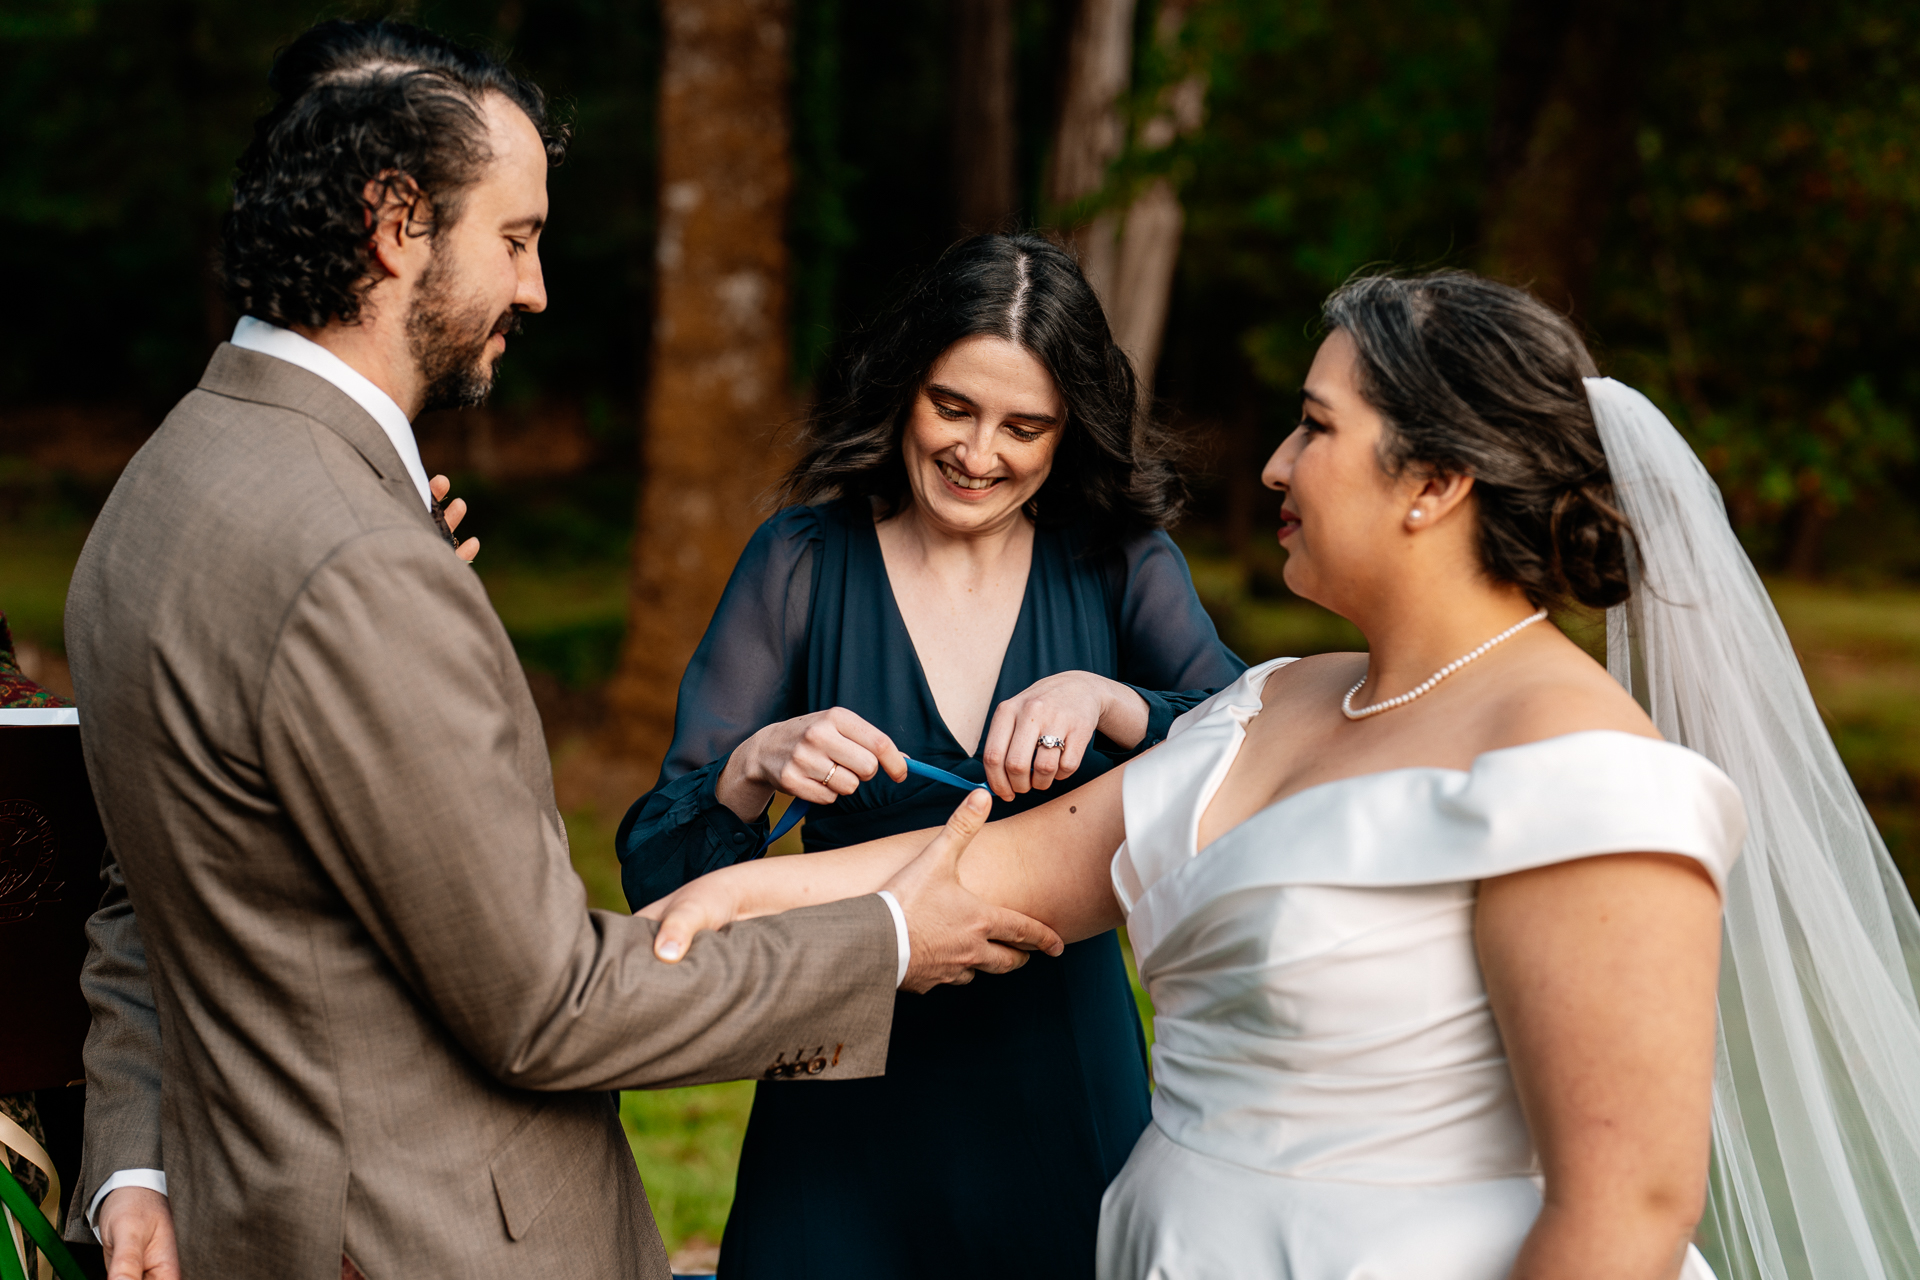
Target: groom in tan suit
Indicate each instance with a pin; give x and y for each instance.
(352, 1015)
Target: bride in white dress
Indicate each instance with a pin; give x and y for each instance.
(1434, 933)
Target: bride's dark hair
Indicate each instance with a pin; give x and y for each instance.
(1481, 379)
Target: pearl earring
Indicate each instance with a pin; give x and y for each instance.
(1414, 514)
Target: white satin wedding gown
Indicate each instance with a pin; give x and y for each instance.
(1332, 1100)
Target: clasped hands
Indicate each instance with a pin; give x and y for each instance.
(951, 933)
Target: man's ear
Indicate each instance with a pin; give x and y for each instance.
(399, 221)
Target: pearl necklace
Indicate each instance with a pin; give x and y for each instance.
(1346, 703)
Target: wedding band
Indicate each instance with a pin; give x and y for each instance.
(1053, 740)
(828, 780)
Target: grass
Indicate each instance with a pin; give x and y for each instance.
(687, 1144)
(1861, 653)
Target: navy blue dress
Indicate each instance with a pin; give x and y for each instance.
(1010, 1103)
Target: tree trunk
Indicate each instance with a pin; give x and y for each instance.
(1091, 135)
(1571, 72)
(718, 389)
(1148, 248)
(1128, 254)
(983, 136)
(1809, 529)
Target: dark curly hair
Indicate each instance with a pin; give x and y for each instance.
(357, 102)
(1115, 471)
(1481, 379)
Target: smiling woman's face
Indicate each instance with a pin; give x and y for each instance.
(1344, 517)
(981, 436)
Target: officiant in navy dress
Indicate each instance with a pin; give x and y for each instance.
(972, 571)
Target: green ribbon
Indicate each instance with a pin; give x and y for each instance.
(38, 1229)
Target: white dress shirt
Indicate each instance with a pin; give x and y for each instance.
(899, 934)
(284, 344)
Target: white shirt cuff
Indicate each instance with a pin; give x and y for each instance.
(899, 933)
(151, 1179)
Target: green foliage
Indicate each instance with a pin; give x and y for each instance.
(1757, 276)
(874, 198)
(122, 120)
(1762, 283)
(1337, 136)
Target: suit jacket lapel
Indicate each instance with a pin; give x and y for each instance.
(248, 375)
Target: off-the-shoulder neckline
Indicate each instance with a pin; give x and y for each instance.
(1212, 789)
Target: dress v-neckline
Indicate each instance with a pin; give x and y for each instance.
(899, 618)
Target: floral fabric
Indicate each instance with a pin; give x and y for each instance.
(15, 689)
(18, 691)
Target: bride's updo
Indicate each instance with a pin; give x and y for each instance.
(1476, 378)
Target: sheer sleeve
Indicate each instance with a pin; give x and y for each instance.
(1170, 653)
(743, 677)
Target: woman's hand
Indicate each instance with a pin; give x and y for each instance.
(454, 512)
(1073, 705)
(817, 758)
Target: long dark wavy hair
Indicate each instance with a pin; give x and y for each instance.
(1478, 378)
(357, 102)
(1115, 471)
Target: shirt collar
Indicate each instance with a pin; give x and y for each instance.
(284, 344)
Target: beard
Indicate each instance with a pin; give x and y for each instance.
(448, 341)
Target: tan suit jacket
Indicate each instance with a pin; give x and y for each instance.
(346, 988)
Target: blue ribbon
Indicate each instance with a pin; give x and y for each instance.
(799, 807)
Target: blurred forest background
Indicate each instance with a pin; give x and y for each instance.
(1722, 192)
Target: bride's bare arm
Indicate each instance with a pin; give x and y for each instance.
(1049, 863)
(1602, 974)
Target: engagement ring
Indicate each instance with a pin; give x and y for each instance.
(1053, 740)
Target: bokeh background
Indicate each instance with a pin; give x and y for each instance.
(1723, 193)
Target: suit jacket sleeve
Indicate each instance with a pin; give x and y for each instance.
(397, 731)
(122, 1052)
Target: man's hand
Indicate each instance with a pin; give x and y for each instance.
(454, 512)
(136, 1232)
(953, 933)
(707, 903)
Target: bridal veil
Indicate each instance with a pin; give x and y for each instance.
(1816, 1112)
